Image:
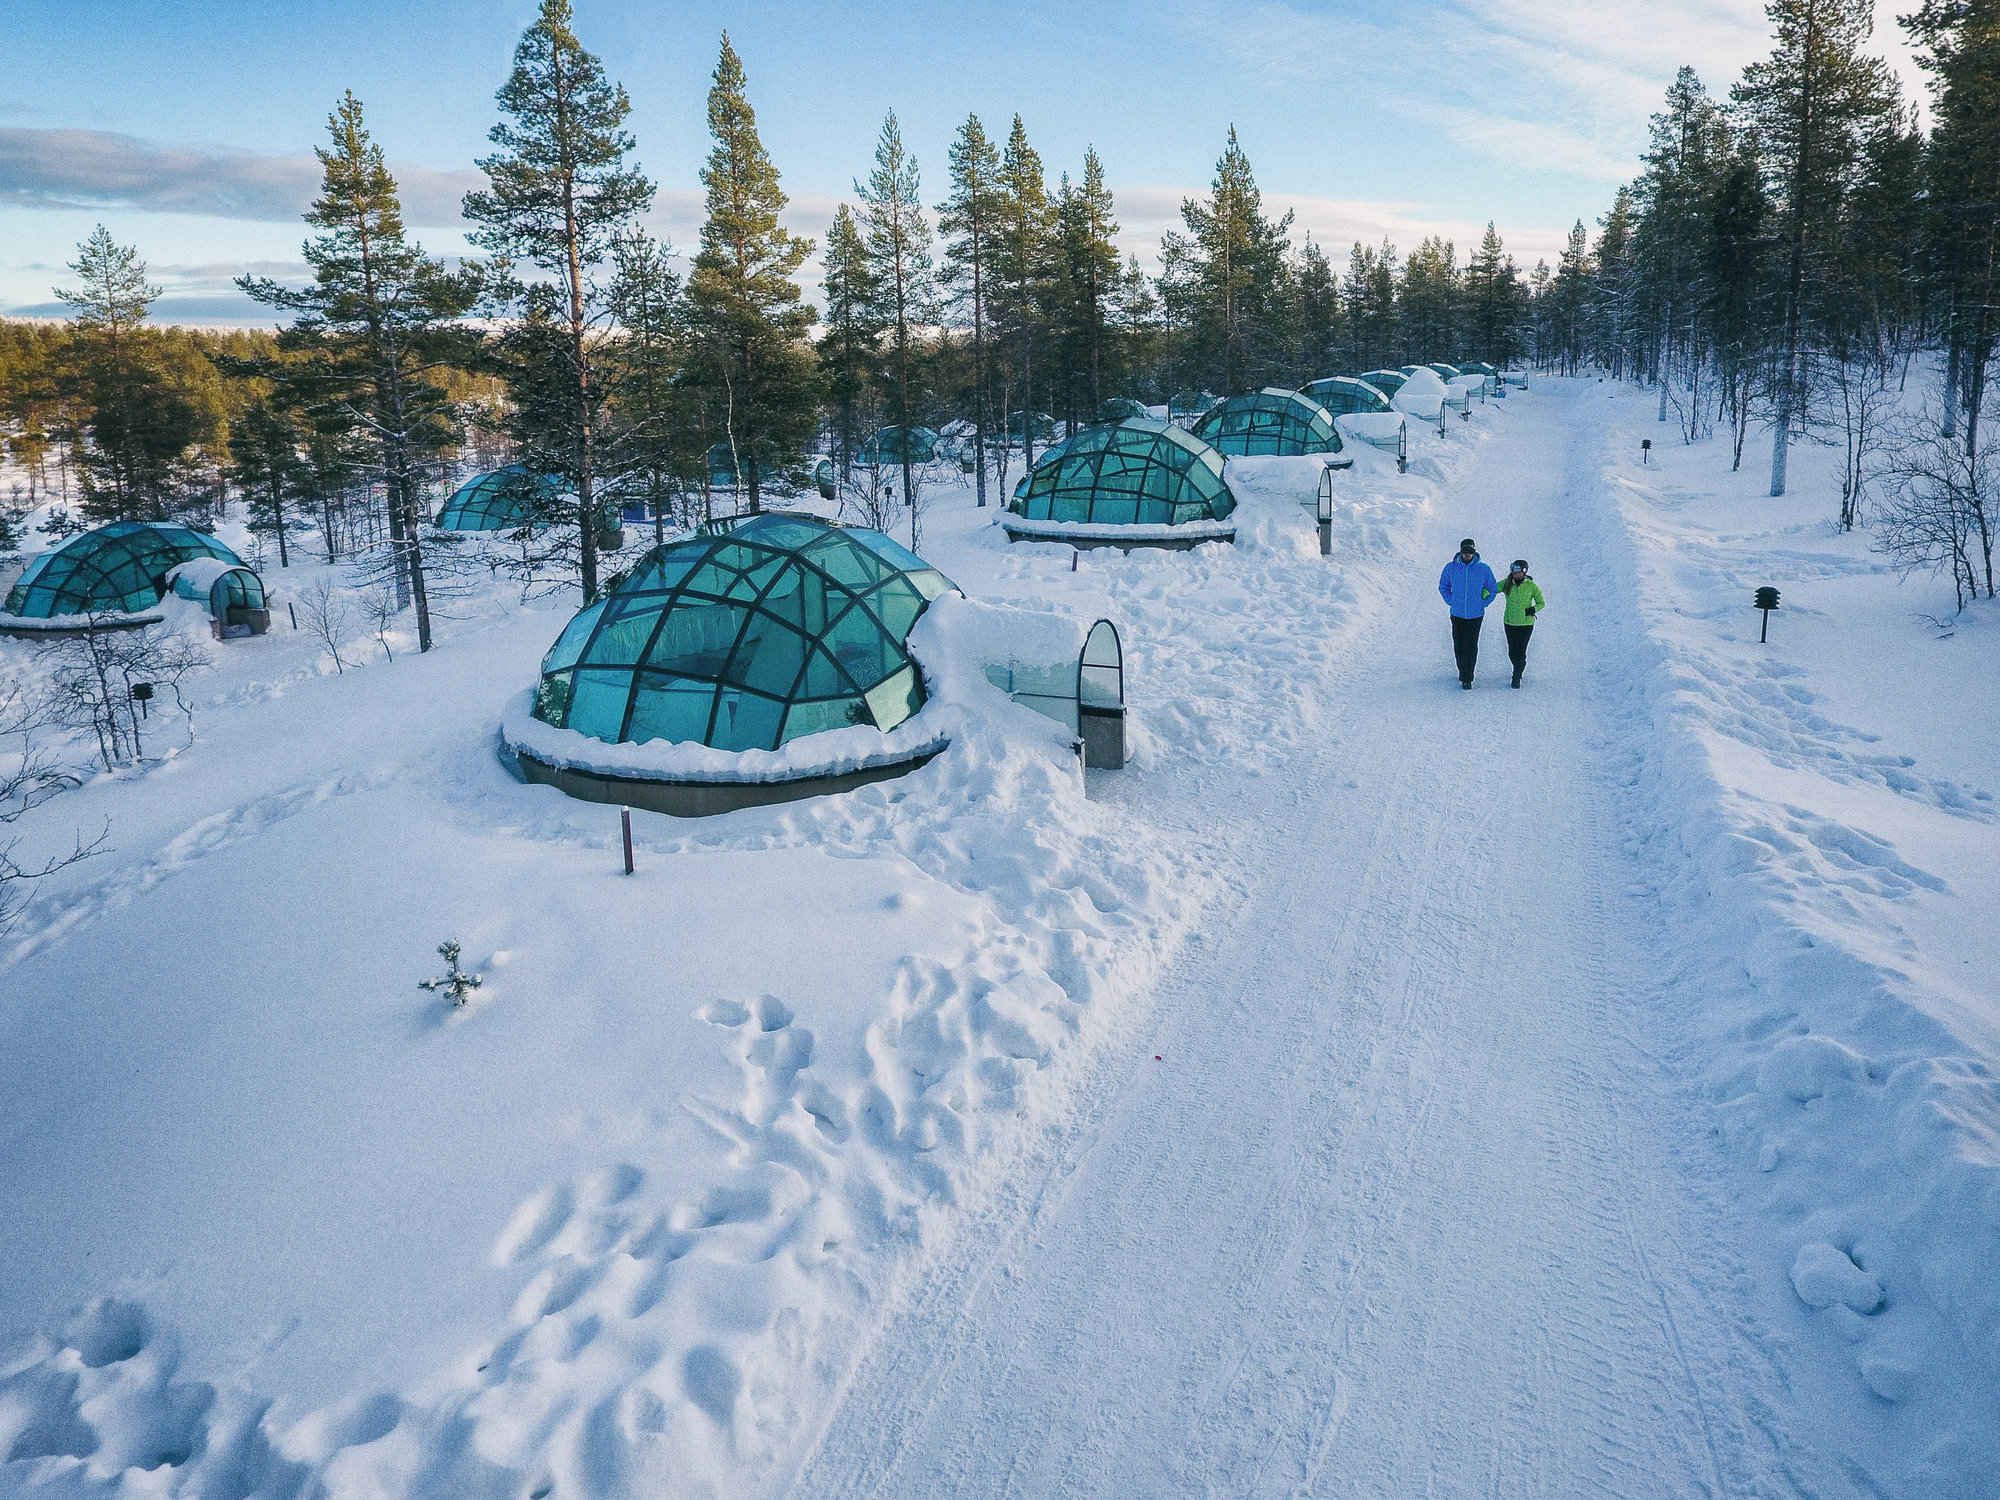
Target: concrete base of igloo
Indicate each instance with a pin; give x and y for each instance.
(702, 799)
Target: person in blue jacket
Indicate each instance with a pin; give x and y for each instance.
(1468, 587)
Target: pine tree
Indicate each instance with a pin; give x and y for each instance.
(1608, 317)
(969, 218)
(1087, 256)
(1429, 300)
(1493, 302)
(266, 443)
(1570, 292)
(850, 348)
(139, 425)
(1237, 279)
(898, 242)
(653, 395)
(1319, 314)
(1960, 42)
(1734, 269)
(376, 333)
(1021, 263)
(1688, 141)
(745, 302)
(1811, 102)
(561, 193)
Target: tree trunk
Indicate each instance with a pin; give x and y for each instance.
(978, 371)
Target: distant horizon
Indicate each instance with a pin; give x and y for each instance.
(190, 135)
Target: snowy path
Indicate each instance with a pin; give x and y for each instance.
(1399, 1212)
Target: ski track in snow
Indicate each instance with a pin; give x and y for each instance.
(1397, 1213)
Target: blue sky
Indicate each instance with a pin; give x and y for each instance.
(187, 128)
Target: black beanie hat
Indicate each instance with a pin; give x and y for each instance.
(1467, 546)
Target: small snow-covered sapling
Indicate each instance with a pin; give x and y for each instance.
(457, 982)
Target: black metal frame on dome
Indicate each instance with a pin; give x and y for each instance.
(759, 630)
(1139, 472)
(504, 500)
(1343, 395)
(1272, 421)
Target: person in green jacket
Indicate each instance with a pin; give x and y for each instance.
(1524, 603)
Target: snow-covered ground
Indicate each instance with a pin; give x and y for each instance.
(1373, 1089)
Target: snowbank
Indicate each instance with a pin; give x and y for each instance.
(1824, 835)
(1063, 531)
(1422, 396)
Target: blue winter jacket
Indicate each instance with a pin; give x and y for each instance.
(1467, 587)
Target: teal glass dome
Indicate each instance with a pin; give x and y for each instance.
(1118, 408)
(886, 447)
(1342, 395)
(1018, 425)
(1190, 403)
(121, 569)
(753, 633)
(504, 500)
(1139, 472)
(1388, 382)
(1272, 421)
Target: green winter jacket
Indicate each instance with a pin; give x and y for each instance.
(1525, 595)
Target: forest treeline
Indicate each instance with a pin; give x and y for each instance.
(1807, 254)
(1784, 258)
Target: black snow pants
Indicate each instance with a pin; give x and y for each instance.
(1517, 646)
(1465, 644)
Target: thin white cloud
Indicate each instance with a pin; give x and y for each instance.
(1567, 87)
(1335, 224)
(100, 170)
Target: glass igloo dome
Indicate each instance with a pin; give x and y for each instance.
(754, 633)
(120, 568)
(504, 500)
(1342, 395)
(1138, 472)
(1271, 421)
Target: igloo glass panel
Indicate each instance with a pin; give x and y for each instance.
(754, 629)
(597, 700)
(669, 708)
(569, 645)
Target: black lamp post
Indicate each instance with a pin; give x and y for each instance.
(1766, 600)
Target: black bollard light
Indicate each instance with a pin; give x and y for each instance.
(142, 694)
(1645, 450)
(1766, 600)
(625, 824)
